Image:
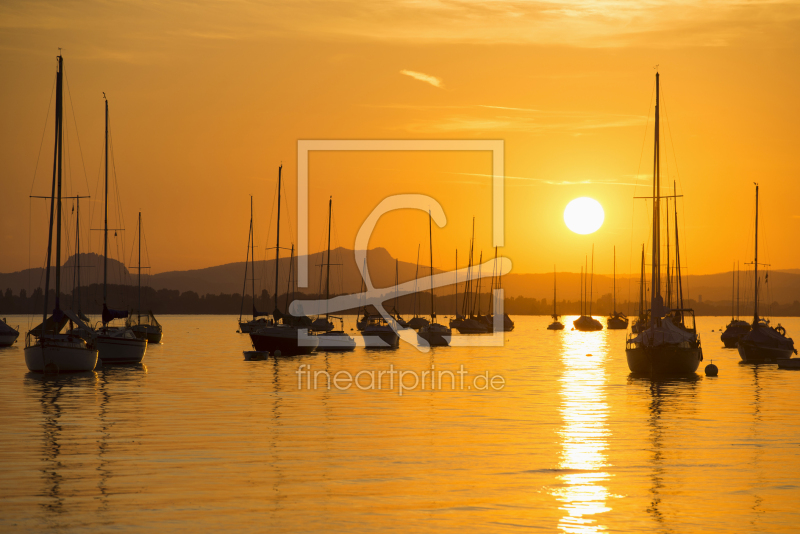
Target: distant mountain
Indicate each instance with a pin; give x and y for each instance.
(346, 278)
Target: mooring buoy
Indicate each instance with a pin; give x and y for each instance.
(711, 369)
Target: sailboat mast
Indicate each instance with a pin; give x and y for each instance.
(641, 287)
(755, 263)
(733, 289)
(77, 252)
(591, 284)
(456, 283)
(614, 299)
(105, 215)
(554, 292)
(396, 281)
(430, 240)
(56, 170)
(416, 278)
(669, 265)
(582, 291)
(139, 312)
(289, 282)
(58, 204)
(478, 287)
(656, 301)
(738, 280)
(278, 239)
(679, 286)
(328, 273)
(252, 255)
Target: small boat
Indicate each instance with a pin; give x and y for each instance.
(468, 322)
(587, 323)
(763, 343)
(377, 333)
(669, 345)
(146, 325)
(284, 335)
(736, 328)
(331, 340)
(437, 335)
(556, 324)
(417, 322)
(789, 363)
(259, 320)
(617, 320)
(8, 334)
(46, 348)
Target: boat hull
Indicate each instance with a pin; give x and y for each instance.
(555, 326)
(6, 340)
(664, 360)
(148, 332)
(752, 353)
(617, 324)
(789, 363)
(471, 326)
(436, 337)
(115, 350)
(283, 339)
(380, 339)
(335, 342)
(67, 357)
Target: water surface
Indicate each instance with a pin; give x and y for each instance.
(196, 439)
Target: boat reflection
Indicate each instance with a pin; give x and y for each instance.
(584, 434)
(670, 397)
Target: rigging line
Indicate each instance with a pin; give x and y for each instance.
(77, 134)
(44, 130)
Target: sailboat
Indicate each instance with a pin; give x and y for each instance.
(46, 348)
(116, 345)
(763, 343)
(8, 334)
(488, 319)
(556, 324)
(417, 322)
(281, 336)
(736, 328)
(395, 313)
(332, 340)
(245, 327)
(617, 320)
(146, 326)
(668, 346)
(437, 335)
(469, 324)
(587, 323)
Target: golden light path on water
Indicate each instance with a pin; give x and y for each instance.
(584, 435)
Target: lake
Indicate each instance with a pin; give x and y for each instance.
(558, 437)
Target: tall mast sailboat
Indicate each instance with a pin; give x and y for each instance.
(736, 328)
(669, 346)
(146, 326)
(556, 324)
(587, 323)
(617, 320)
(46, 348)
(437, 335)
(332, 340)
(285, 335)
(763, 343)
(245, 327)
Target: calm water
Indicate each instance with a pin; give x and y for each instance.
(199, 440)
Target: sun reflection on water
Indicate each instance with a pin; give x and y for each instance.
(584, 434)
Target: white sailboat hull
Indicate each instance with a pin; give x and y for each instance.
(114, 349)
(66, 356)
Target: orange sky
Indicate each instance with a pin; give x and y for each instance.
(208, 98)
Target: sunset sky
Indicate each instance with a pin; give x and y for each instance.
(207, 99)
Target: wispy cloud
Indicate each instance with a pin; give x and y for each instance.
(427, 78)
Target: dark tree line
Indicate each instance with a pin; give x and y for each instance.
(166, 301)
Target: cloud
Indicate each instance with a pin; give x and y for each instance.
(433, 80)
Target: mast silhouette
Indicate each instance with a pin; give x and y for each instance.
(656, 303)
(328, 273)
(278, 243)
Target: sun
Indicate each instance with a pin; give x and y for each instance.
(584, 215)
